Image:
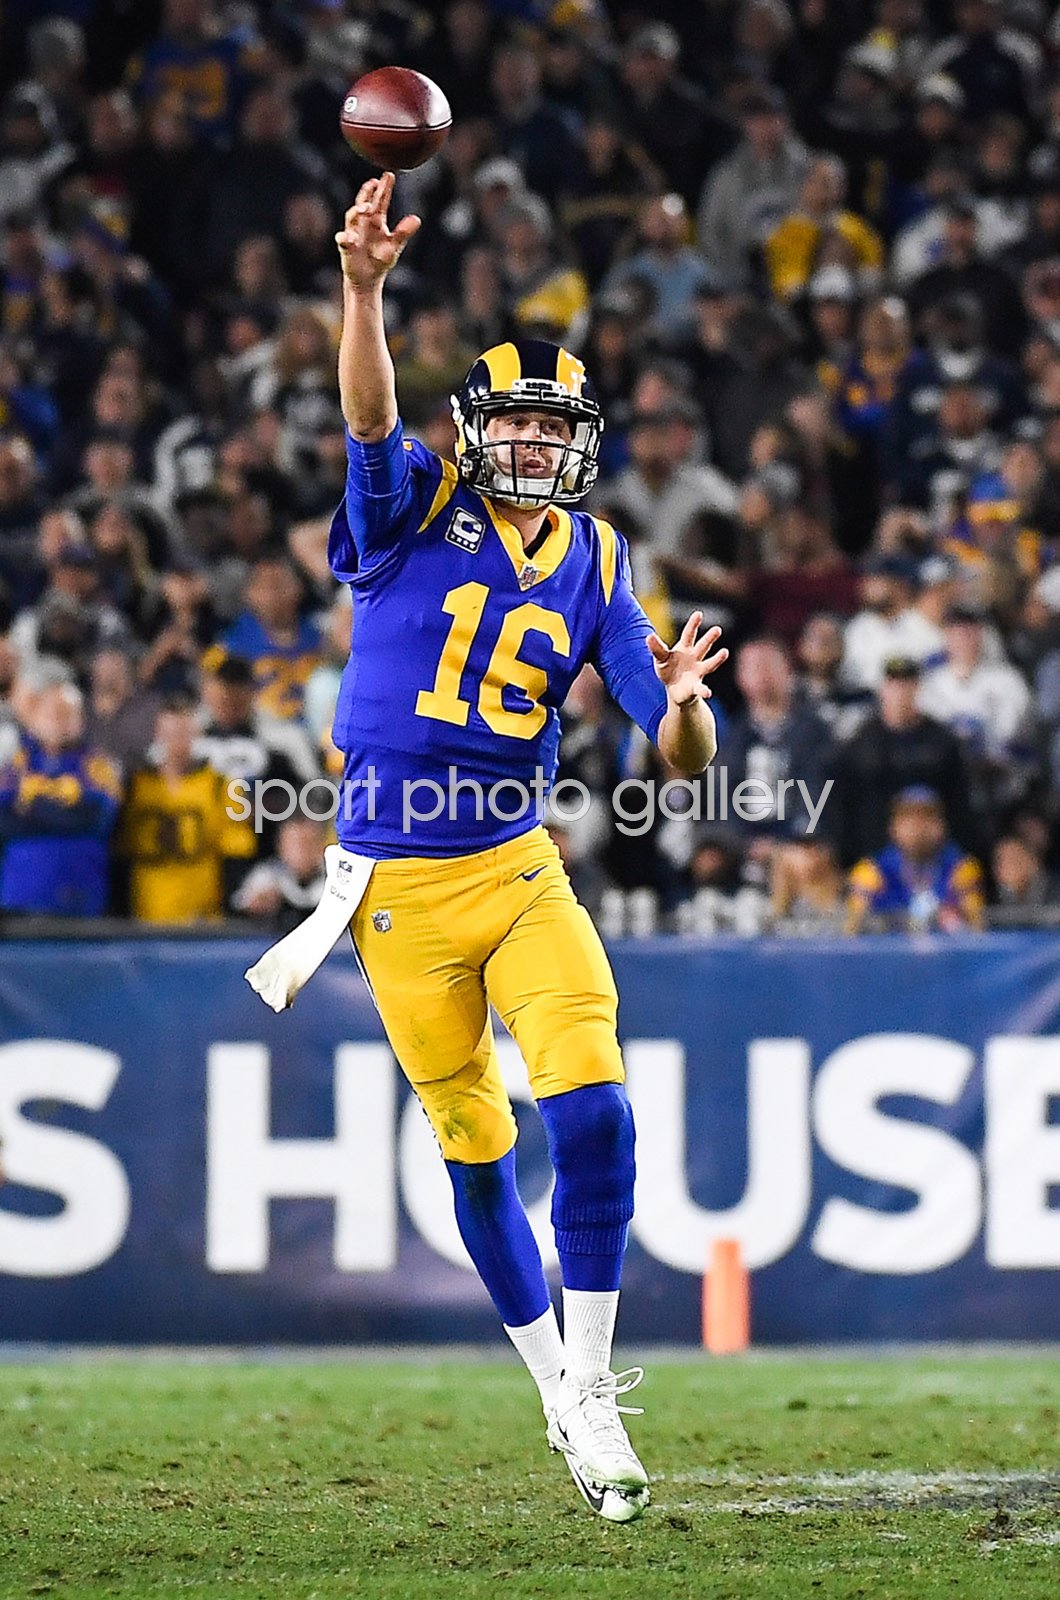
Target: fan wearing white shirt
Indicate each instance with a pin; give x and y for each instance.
(986, 703)
(888, 623)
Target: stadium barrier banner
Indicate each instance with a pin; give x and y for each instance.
(878, 1122)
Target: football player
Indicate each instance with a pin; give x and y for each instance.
(477, 598)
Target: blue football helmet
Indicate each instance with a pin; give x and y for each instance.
(527, 374)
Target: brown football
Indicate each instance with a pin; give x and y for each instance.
(395, 118)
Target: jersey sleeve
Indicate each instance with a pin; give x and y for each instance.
(620, 652)
(390, 483)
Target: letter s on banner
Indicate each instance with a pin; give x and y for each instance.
(86, 1176)
(853, 1131)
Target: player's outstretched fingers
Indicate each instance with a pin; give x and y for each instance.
(405, 229)
(709, 639)
(660, 651)
(691, 628)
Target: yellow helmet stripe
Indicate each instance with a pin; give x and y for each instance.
(504, 366)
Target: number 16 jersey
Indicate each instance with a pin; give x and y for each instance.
(463, 649)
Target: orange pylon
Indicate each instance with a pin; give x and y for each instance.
(726, 1299)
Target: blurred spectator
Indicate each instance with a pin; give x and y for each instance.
(322, 685)
(746, 381)
(956, 353)
(33, 151)
(800, 572)
(242, 190)
(818, 232)
(819, 658)
(57, 60)
(861, 121)
(198, 58)
(183, 846)
(434, 362)
(682, 507)
(777, 740)
(1022, 884)
(866, 394)
(670, 118)
(988, 705)
(289, 884)
(239, 742)
(896, 748)
(751, 190)
(120, 719)
(806, 888)
(59, 802)
(72, 618)
(282, 647)
(829, 307)
(544, 139)
(459, 52)
(996, 67)
(667, 267)
(888, 623)
(548, 298)
(962, 269)
(721, 900)
(921, 881)
(600, 202)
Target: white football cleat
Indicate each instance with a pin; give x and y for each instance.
(586, 1426)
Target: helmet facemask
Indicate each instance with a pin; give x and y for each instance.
(491, 466)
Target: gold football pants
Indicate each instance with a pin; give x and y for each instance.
(442, 940)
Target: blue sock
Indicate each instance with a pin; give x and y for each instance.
(497, 1236)
(590, 1140)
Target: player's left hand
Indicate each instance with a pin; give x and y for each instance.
(683, 667)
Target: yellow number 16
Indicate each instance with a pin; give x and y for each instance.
(465, 605)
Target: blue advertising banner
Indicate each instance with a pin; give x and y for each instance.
(877, 1122)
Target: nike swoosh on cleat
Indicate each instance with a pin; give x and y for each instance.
(530, 876)
(593, 1496)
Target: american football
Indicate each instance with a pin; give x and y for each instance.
(395, 118)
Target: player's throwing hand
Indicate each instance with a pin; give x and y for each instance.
(683, 667)
(369, 248)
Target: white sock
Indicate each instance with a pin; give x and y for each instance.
(541, 1348)
(588, 1331)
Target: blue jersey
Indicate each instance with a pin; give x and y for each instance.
(895, 887)
(281, 671)
(463, 649)
(57, 813)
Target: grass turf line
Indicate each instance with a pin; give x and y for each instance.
(776, 1479)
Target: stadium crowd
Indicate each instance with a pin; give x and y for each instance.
(810, 254)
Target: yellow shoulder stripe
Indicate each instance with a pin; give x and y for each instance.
(443, 494)
(608, 556)
(967, 874)
(866, 877)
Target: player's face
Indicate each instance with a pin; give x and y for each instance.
(919, 831)
(539, 438)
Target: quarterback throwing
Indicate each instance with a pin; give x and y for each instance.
(477, 598)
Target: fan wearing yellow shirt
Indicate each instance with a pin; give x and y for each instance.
(182, 848)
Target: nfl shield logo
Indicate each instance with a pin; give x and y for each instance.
(529, 575)
(381, 921)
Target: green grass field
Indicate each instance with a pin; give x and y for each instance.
(906, 1478)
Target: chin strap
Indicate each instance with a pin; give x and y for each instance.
(288, 965)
